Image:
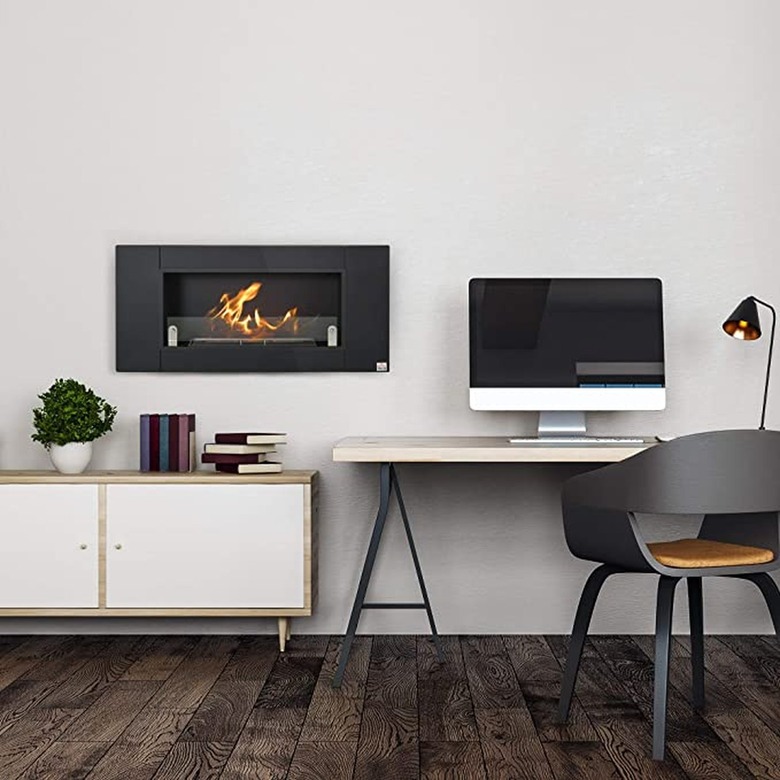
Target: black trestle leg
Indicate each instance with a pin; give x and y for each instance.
(663, 647)
(365, 577)
(416, 559)
(696, 613)
(771, 594)
(578, 634)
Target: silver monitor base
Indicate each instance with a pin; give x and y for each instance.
(552, 424)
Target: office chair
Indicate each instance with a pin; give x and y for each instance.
(732, 479)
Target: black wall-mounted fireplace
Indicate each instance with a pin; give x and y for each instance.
(252, 308)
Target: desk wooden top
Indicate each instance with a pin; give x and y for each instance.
(474, 449)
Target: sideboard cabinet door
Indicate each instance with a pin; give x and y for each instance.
(49, 546)
(205, 546)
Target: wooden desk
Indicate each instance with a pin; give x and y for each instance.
(389, 450)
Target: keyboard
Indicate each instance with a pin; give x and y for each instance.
(583, 441)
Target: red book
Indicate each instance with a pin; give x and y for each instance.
(250, 438)
(154, 442)
(173, 442)
(215, 457)
(184, 442)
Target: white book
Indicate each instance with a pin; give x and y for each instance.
(238, 449)
(249, 468)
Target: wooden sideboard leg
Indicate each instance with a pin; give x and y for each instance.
(284, 632)
(289, 628)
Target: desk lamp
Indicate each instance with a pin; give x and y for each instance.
(744, 324)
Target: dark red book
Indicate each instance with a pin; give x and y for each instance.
(193, 458)
(250, 438)
(173, 443)
(215, 457)
(154, 442)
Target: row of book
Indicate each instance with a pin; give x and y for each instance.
(168, 442)
(244, 453)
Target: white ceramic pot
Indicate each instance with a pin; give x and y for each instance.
(71, 458)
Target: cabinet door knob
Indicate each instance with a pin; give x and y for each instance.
(117, 546)
(82, 546)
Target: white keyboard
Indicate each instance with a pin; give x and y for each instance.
(584, 441)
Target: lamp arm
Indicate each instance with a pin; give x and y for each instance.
(769, 359)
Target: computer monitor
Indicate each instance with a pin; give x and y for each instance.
(566, 346)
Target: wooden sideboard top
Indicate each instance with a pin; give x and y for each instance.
(156, 477)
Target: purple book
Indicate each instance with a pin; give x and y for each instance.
(145, 453)
(184, 443)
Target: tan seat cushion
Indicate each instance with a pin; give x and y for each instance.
(701, 553)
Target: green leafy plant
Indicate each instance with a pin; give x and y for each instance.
(71, 412)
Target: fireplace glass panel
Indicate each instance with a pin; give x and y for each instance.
(210, 309)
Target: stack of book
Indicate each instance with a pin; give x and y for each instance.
(168, 442)
(245, 453)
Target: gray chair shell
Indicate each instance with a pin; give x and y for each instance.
(731, 478)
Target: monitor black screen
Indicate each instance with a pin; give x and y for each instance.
(566, 333)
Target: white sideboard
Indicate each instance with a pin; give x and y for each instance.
(121, 543)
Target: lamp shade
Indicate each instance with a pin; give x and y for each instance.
(743, 322)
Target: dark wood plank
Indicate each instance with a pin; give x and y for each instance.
(201, 760)
(22, 657)
(142, 747)
(28, 739)
(21, 696)
(82, 688)
(71, 760)
(578, 760)
(388, 745)
(223, 712)
(71, 653)
(708, 761)
(192, 679)
(392, 676)
(511, 746)
(266, 745)
(624, 732)
(253, 658)
(335, 713)
(745, 677)
(452, 761)
(160, 658)
(446, 710)
(290, 683)
(108, 717)
(741, 730)
(540, 677)
(492, 679)
(636, 673)
(318, 760)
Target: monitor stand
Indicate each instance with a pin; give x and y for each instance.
(552, 424)
(568, 428)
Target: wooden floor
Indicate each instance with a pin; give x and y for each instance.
(132, 708)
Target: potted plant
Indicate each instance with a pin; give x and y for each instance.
(71, 418)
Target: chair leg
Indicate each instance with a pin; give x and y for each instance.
(771, 594)
(580, 630)
(696, 613)
(663, 646)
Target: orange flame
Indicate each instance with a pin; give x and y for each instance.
(251, 325)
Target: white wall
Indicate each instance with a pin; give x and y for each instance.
(476, 138)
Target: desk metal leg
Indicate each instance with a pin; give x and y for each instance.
(415, 558)
(388, 483)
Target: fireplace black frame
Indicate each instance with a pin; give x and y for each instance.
(365, 323)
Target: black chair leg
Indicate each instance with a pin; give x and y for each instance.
(663, 646)
(771, 594)
(580, 630)
(696, 613)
